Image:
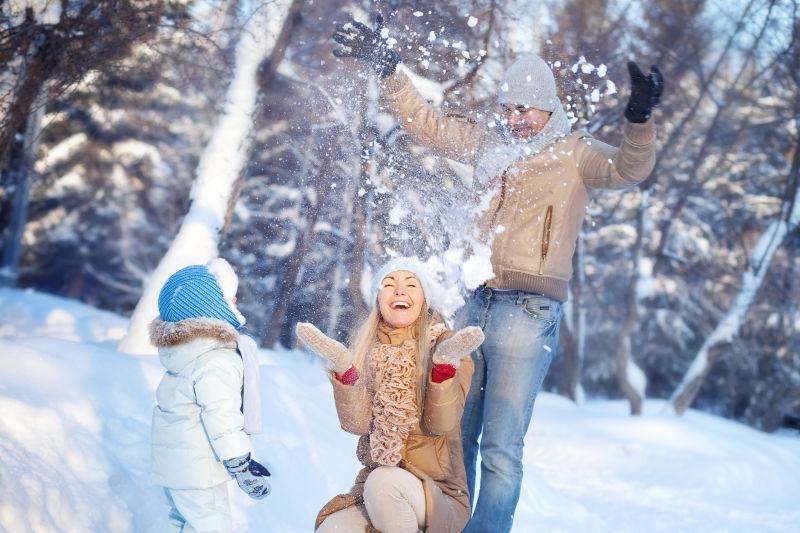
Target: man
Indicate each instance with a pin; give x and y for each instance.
(543, 174)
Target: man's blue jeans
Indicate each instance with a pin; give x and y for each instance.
(521, 331)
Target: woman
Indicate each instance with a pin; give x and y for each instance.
(402, 389)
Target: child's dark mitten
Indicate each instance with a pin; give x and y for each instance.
(250, 475)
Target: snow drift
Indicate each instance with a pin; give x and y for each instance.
(74, 446)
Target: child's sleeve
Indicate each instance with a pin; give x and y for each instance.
(218, 389)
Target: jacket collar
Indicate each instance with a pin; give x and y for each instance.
(396, 336)
(180, 343)
(168, 334)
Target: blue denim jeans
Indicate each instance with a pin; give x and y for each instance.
(521, 331)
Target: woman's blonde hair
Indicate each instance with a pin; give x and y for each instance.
(362, 342)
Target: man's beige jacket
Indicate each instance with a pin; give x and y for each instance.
(534, 220)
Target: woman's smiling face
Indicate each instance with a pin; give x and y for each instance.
(400, 298)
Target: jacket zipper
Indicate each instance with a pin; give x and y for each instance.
(548, 222)
(502, 197)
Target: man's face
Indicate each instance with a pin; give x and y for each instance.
(523, 121)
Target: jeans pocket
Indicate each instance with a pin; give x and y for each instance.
(540, 308)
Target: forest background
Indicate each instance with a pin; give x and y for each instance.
(119, 130)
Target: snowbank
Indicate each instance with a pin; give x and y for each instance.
(74, 432)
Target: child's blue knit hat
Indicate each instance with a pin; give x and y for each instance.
(195, 292)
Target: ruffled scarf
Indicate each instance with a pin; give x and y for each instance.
(394, 404)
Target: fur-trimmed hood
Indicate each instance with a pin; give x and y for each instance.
(181, 342)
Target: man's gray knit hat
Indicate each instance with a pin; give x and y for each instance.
(529, 81)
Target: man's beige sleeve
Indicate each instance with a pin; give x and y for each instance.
(606, 167)
(452, 137)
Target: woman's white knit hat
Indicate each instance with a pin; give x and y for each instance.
(529, 81)
(410, 264)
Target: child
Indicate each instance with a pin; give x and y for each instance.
(198, 434)
(402, 389)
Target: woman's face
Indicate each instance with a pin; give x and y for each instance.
(400, 298)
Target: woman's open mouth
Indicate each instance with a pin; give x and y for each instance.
(400, 305)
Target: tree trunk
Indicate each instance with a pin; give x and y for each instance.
(340, 309)
(268, 68)
(23, 175)
(266, 73)
(574, 335)
(288, 280)
(359, 228)
(218, 171)
(29, 95)
(631, 379)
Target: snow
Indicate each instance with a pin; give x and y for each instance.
(397, 213)
(646, 285)
(74, 446)
(281, 249)
(477, 268)
(61, 152)
(32, 314)
(430, 90)
(45, 11)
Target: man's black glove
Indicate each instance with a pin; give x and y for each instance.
(361, 42)
(645, 93)
(250, 475)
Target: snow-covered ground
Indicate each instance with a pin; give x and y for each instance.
(74, 446)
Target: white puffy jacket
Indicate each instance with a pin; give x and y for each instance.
(198, 422)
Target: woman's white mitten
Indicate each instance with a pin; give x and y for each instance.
(335, 352)
(462, 343)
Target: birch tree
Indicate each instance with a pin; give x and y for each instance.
(12, 248)
(219, 169)
(752, 279)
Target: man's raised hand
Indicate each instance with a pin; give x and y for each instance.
(361, 42)
(645, 93)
